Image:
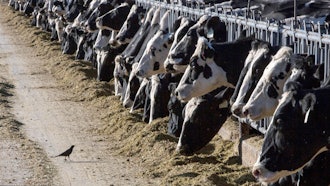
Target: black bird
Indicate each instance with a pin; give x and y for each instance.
(66, 153)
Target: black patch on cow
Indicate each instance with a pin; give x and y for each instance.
(281, 76)
(288, 67)
(195, 70)
(152, 49)
(164, 45)
(207, 72)
(271, 91)
(156, 66)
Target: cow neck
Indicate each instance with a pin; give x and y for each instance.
(231, 57)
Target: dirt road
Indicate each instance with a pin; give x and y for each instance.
(50, 119)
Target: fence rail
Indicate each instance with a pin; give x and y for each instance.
(306, 37)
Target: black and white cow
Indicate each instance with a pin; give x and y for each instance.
(114, 19)
(134, 50)
(298, 132)
(152, 59)
(131, 25)
(284, 66)
(123, 62)
(159, 96)
(209, 27)
(259, 56)
(103, 7)
(203, 117)
(264, 98)
(213, 65)
(175, 108)
(184, 26)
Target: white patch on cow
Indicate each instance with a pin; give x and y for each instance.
(154, 86)
(58, 11)
(260, 105)
(164, 22)
(156, 17)
(101, 40)
(59, 26)
(78, 21)
(307, 115)
(267, 176)
(112, 40)
(210, 33)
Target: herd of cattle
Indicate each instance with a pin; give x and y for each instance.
(186, 70)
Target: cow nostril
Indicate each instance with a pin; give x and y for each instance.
(246, 112)
(139, 72)
(176, 93)
(237, 111)
(169, 67)
(256, 173)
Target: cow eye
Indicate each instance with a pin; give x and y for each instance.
(279, 121)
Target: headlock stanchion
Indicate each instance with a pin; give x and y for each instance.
(305, 36)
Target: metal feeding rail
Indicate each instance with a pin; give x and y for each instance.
(307, 37)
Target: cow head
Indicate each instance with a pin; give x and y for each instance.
(257, 60)
(132, 87)
(102, 8)
(209, 27)
(114, 19)
(185, 24)
(213, 65)
(265, 96)
(199, 127)
(198, 78)
(152, 60)
(180, 55)
(298, 132)
(131, 25)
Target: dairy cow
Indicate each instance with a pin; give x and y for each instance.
(209, 27)
(185, 24)
(152, 59)
(213, 65)
(199, 126)
(299, 131)
(114, 19)
(135, 49)
(259, 56)
(284, 66)
(130, 26)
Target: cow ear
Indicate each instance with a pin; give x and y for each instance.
(310, 59)
(210, 27)
(214, 29)
(308, 102)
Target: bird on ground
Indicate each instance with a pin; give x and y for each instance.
(66, 153)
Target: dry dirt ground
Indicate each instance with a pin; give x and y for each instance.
(49, 101)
